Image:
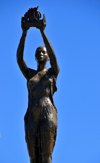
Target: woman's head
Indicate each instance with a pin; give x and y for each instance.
(41, 54)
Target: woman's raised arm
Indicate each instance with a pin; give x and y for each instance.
(20, 50)
(51, 53)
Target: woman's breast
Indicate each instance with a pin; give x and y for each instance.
(39, 88)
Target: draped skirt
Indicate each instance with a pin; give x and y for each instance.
(40, 129)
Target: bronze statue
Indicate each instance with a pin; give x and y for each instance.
(41, 116)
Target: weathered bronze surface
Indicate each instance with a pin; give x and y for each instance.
(41, 116)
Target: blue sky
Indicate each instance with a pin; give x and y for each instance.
(73, 28)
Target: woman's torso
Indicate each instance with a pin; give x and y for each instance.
(40, 90)
(39, 86)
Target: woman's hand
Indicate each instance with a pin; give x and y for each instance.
(43, 24)
(32, 19)
(24, 26)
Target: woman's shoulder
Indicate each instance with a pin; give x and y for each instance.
(51, 72)
(31, 73)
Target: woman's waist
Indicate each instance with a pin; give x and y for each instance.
(39, 94)
(41, 100)
(44, 91)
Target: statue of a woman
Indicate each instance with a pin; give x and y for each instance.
(41, 116)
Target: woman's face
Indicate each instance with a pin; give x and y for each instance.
(41, 54)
